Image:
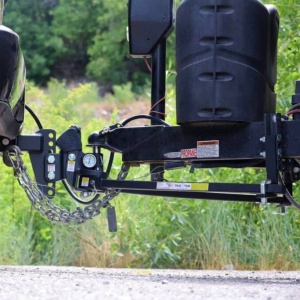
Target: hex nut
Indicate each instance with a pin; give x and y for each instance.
(51, 159)
(51, 175)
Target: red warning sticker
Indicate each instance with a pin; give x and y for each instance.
(188, 153)
(207, 149)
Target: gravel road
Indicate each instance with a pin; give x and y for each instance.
(91, 283)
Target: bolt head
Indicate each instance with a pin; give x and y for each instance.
(5, 142)
(51, 159)
(279, 137)
(85, 194)
(72, 156)
(296, 169)
(263, 154)
(51, 175)
(263, 139)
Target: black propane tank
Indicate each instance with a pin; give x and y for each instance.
(226, 60)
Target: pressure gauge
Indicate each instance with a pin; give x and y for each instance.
(89, 160)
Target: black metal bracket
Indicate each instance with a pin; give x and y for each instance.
(40, 146)
(273, 151)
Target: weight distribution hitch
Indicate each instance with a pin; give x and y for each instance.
(270, 144)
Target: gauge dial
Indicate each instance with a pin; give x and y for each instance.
(89, 160)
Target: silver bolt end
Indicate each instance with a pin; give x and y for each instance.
(72, 156)
(51, 175)
(296, 169)
(51, 159)
(263, 139)
(264, 201)
(263, 154)
(5, 142)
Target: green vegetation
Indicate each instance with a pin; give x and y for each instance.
(152, 232)
(288, 50)
(71, 39)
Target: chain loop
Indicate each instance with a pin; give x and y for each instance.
(44, 205)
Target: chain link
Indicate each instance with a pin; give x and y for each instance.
(45, 206)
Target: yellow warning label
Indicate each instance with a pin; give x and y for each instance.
(182, 186)
(71, 166)
(85, 181)
(200, 186)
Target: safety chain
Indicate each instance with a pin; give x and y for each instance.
(45, 206)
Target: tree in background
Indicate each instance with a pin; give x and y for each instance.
(94, 37)
(288, 49)
(74, 23)
(109, 53)
(31, 19)
(72, 39)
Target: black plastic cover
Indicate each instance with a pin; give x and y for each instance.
(226, 56)
(149, 21)
(70, 140)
